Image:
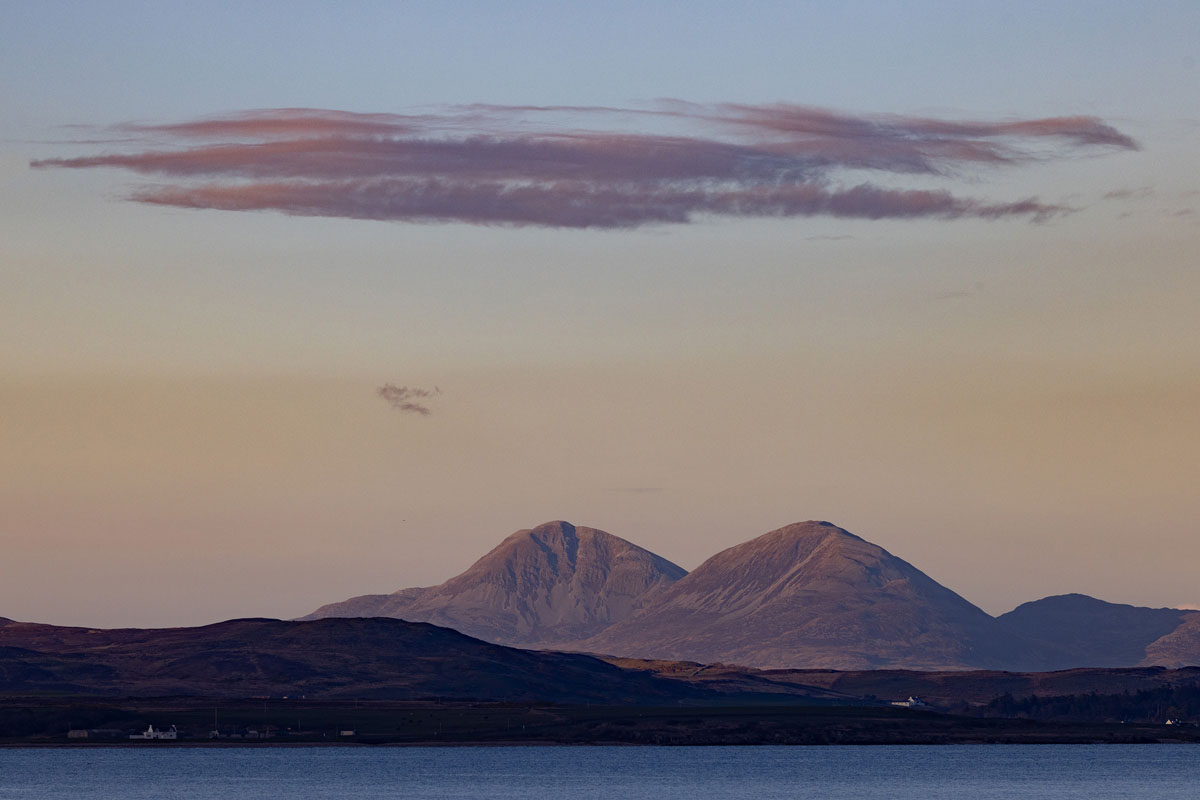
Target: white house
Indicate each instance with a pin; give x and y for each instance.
(151, 733)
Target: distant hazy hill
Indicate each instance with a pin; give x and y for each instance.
(812, 594)
(1086, 632)
(541, 587)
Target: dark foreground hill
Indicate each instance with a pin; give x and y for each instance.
(963, 689)
(540, 587)
(331, 658)
(399, 682)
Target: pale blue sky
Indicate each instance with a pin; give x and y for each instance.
(107, 62)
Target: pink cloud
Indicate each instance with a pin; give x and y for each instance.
(536, 166)
(572, 205)
(283, 122)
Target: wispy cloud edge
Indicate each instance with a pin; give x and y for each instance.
(530, 166)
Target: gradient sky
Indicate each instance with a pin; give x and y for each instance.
(190, 428)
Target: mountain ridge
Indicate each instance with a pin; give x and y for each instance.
(806, 595)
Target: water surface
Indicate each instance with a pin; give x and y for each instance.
(975, 772)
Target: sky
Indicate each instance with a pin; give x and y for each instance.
(302, 301)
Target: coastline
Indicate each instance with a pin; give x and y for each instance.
(257, 723)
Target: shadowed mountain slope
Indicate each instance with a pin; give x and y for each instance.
(541, 587)
(1086, 632)
(814, 595)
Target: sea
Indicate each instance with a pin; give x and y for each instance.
(966, 772)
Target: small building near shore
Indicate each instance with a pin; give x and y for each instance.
(151, 733)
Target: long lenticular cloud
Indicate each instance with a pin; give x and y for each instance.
(589, 167)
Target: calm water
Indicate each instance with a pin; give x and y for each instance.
(627, 773)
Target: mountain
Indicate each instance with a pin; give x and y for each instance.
(1086, 632)
(809, 595)
(540, 587)
(814, 595)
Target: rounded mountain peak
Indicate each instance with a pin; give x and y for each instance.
(563, 540)
(810, 529)
(795, 543)
(555, 527)
(555, 532)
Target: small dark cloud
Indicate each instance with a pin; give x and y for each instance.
(1130, 194)
(405, 398)
(637, 489)
(828, 238)
(1184, 212)
(590, 167)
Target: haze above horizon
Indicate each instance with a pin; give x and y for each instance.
(301, 303)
